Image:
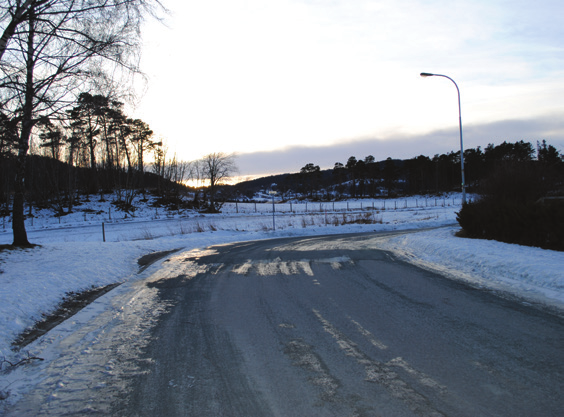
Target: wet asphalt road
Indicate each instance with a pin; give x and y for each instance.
(322, 327)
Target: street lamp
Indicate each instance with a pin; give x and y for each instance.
(427, 74)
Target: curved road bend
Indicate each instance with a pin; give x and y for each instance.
(315, 327)
(321, 326)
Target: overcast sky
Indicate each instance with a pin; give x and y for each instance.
(286, 82)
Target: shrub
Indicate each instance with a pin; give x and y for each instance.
(510, 210)
(531, 224)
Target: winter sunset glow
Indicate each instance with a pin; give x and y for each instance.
(288, 82)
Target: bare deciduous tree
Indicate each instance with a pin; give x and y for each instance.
(51, 48)
(217, 167)
(14, 14)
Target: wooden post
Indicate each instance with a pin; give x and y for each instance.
(103, 232)
(273, 214)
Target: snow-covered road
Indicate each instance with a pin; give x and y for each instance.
(74, 258)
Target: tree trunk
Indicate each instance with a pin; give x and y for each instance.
(17, 18)
(212, 196)
(18, 217)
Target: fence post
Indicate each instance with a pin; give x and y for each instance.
(255, 206)
(103, 232)
(237, 206)
(273, 214)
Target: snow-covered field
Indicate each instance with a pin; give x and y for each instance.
(73, 255)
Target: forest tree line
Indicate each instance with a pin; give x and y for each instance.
(360, 178)
(97, 149)
(93, 147)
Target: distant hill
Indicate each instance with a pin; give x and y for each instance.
(327, 180)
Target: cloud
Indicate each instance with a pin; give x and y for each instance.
(229, 76)
(402, 146)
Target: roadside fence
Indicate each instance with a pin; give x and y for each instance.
(339, 206)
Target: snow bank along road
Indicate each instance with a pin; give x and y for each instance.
(318, 326)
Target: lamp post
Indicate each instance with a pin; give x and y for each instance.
(427, 74)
